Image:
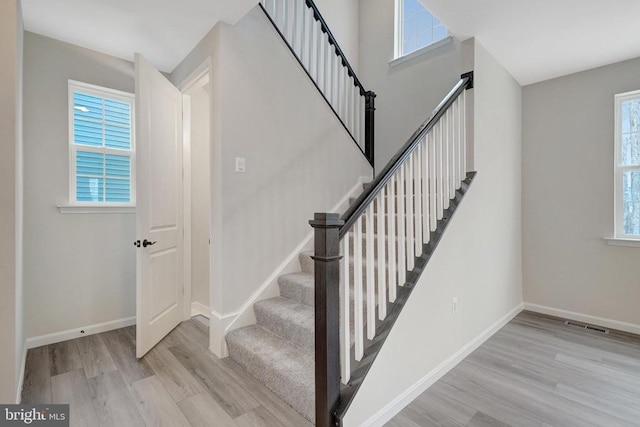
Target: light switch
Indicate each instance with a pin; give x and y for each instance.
(240, 165)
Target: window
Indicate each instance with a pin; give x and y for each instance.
(627, 165)
(416, 27)
(101, 146)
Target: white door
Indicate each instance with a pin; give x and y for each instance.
(159, 222)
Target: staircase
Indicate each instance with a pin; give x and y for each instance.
(315, 343)
(279, 349)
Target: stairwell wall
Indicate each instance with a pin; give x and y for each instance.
(299, 160)
(407, 92)
(478, 261)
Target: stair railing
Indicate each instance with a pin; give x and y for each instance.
(377, 250)
(307, 35)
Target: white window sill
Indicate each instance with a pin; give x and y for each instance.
(617, 241)
(422, 51)
(88, 209)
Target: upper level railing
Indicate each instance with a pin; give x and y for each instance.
(362, 259)
(306, 33)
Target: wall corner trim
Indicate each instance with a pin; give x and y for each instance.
(396, 405)
(77, 332)
(584, 318)
(199, 309)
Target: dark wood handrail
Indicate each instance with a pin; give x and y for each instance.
(332, 40)
(367, 197)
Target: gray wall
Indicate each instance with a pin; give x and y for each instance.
(408, 92)
(567, 168)
(477, 261)
(79, 269)
(298, 159)
(11, 310)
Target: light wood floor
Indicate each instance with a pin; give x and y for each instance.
(179, 383)
(536, 371)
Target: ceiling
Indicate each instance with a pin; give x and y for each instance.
(537, 40)
(164, 31)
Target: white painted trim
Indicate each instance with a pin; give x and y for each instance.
(186, 205)
(199, 309)
(396, 405)
(420, 52)
(218, 326)
(80, 209)
(22, 371)
(584, 318)
(271, 280)
(630, 243)
(77, 332)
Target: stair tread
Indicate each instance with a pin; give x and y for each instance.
(298, 287)
(283, 367)
(288, 319)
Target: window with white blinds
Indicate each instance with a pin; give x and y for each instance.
(102, 146)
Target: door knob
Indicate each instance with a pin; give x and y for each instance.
(136, 243)
(146, 243)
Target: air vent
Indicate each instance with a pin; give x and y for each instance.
(586, 327)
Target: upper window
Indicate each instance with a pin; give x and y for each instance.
(416, 27)
(627, 165)
(101, 146)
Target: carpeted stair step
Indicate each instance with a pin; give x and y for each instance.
(298, 287)
(283, 367)
(288, 319)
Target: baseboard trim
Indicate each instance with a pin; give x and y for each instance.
(79, 332)
(199, 309)
(22, 371)
(584, 318)
(395, 406)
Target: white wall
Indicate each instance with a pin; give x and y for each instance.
(200, 195)
(79, 269)
(408, 92)
(299, 160)
(477, 261)
(567, 166)
(11, 333)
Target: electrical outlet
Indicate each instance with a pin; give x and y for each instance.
(454, 305)
(240, 165)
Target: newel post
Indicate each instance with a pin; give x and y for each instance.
(327, 318)
(369, 124)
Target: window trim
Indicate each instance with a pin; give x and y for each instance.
(73, 205)
(620, 169)
(397, 45)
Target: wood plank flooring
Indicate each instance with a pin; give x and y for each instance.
(536, 371)
(178, 383)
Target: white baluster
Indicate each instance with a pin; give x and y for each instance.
(458, 113)
(439, 173)
(417, 191)
(382, 258)
(408, 195)
(431, 159)
(304, 35)
(391, 226)
(345, 302)
(284, 21)
(295, 24)
(463, 143)
(328, 91)
(357, 290)
(453, 153)
(445, 159)
(402, 254)
(313, 50)
(370, 265)
(426, 195)
(358, 135)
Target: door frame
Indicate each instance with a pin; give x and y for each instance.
(189, 82)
